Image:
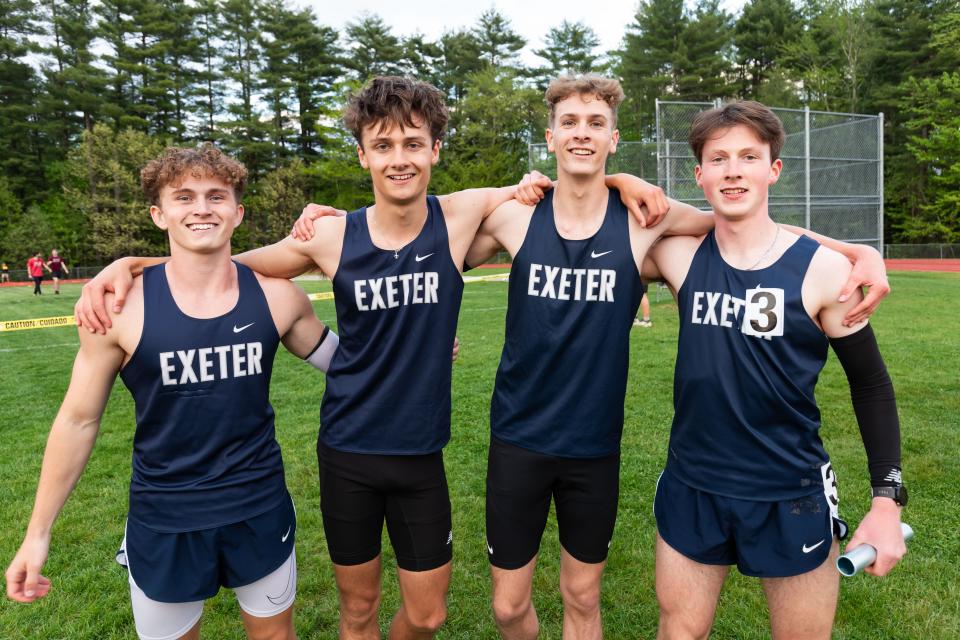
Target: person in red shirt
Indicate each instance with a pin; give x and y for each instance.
(57, 267)
(35, 267)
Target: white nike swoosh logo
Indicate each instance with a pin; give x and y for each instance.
(594, 254)
(807, 549)
(236, 330)
(287, 534)
(422, 258)
(489, 548)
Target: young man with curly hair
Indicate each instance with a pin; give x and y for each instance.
(208, 505)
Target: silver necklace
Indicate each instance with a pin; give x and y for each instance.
(396, 252)
(764, 255)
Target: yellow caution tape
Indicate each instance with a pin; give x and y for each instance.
(65, 321)
(36, 323)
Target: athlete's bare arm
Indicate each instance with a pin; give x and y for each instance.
(68, 448)
(90, 311)
(505, 228)
(289, 257)
(293, 315)
(669, 260)
(464, 211)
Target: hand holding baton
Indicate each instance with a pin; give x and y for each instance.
(864, 555)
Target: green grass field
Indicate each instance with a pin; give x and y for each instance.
(918, 332)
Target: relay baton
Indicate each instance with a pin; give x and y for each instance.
(855, 560)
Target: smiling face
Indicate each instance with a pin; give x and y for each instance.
(199, 214)
(400, 160)
(735, 172)
(582, 135)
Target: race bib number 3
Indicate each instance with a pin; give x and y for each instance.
(763, 313)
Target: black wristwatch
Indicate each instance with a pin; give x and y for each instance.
(898, 494)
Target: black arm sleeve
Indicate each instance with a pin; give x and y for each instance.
(873, 403)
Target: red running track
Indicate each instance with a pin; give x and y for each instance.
(922, 264)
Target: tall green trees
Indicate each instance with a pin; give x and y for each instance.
(267, 80)
(672, 53)
(19, 134)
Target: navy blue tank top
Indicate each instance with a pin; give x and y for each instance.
(563, 373)
(204, 453)
(746, 423)
(388, 387)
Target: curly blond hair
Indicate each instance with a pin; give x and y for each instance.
(177, 163)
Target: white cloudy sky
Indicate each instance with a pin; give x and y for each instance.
(531, 18)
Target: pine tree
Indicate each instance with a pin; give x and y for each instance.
(373, 50)
(116, 29)
(498, 42)
(74, 83)
(647, 63)
(703, 71)
(902, 47)
(208, 89)
(21, 159)
(245, 134)
(461, 57)
(568, 47)
(764, 28)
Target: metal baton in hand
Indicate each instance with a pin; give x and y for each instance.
(864, 555)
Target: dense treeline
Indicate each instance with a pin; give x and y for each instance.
(89, 90)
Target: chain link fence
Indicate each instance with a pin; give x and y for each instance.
(930, 251)
(832, 179)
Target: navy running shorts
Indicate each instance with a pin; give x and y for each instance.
(193, 565)
(764, 539)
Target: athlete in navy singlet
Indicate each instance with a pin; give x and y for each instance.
(588, 290)
(396, 316)
(747, 335)
(202, 387)
(747, 480)
(208, 503)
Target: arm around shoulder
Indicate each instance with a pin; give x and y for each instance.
(291, 257)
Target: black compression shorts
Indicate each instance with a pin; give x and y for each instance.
(359, 491)
(520, 485)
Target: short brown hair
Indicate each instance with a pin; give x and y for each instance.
(562, 87)
(396, 100)
(176, 163)
(749, 113)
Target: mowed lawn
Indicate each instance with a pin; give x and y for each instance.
(920, 336)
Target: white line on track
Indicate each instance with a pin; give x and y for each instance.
(42, 346)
